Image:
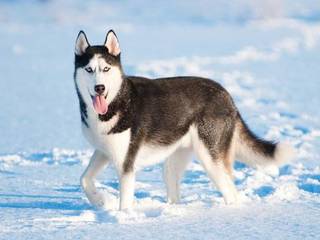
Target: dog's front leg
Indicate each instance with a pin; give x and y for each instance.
(127, 182)
(97, 163)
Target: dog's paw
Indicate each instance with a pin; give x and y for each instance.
(232, 199)
(97, 199)
(173, 199)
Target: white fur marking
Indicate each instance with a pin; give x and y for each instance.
(97, 163)
(127, 182)
(149, 154)
(284, 152)
(215, 169)
(112, 80)
(173, 170)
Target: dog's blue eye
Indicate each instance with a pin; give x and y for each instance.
(89, 69)
(106, 69)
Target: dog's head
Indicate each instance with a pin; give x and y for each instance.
(98, 71)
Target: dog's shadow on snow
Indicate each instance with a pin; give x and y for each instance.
(48, 202)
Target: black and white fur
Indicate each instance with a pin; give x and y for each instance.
(167, 119)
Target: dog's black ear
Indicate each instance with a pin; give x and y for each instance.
(112, 43)
(81, 43)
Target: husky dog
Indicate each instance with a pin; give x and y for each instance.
(133, 122)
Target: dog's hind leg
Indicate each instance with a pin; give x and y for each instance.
(97, 163)
(173, 170)
(218, 166)
(223, 180)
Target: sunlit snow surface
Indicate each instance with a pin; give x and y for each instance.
(266, 56)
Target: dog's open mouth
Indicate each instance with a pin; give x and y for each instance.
(100, 104)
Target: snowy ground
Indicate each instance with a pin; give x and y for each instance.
(267, 55)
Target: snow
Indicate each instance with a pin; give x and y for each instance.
(266, 55)
(40, 197)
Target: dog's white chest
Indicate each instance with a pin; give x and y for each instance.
(115, 145)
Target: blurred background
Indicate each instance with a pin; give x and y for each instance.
(266, 53)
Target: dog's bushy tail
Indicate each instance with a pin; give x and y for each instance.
(257, 152)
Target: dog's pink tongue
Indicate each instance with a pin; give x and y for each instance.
(100, 104)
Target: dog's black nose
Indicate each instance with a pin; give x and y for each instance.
(99, 88)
